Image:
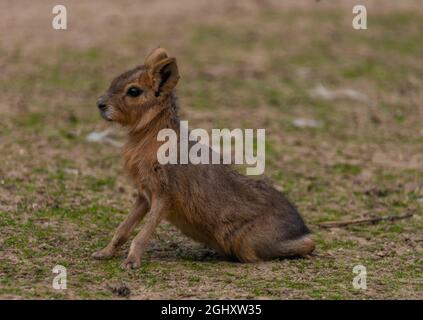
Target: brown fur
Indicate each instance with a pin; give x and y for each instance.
(240, 217)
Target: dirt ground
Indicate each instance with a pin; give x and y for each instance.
(247, 64)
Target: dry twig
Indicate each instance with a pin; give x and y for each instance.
(373, 220)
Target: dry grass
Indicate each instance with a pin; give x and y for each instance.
(243, 64)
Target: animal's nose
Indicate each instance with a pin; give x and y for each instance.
(101, 105)
(101, 102)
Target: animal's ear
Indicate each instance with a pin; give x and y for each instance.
(155, 56)
(164, 76)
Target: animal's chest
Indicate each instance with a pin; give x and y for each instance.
(139, 169)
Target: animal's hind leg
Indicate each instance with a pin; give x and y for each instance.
(289, 248)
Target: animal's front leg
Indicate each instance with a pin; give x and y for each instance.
(140, 242)
(124, 230)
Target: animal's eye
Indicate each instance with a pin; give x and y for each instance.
(134, 92)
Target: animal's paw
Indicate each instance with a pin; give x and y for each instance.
(131, 263)
(103, 254)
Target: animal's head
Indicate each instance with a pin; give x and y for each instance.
(140, 93)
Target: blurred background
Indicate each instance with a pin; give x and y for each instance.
(343, 117)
